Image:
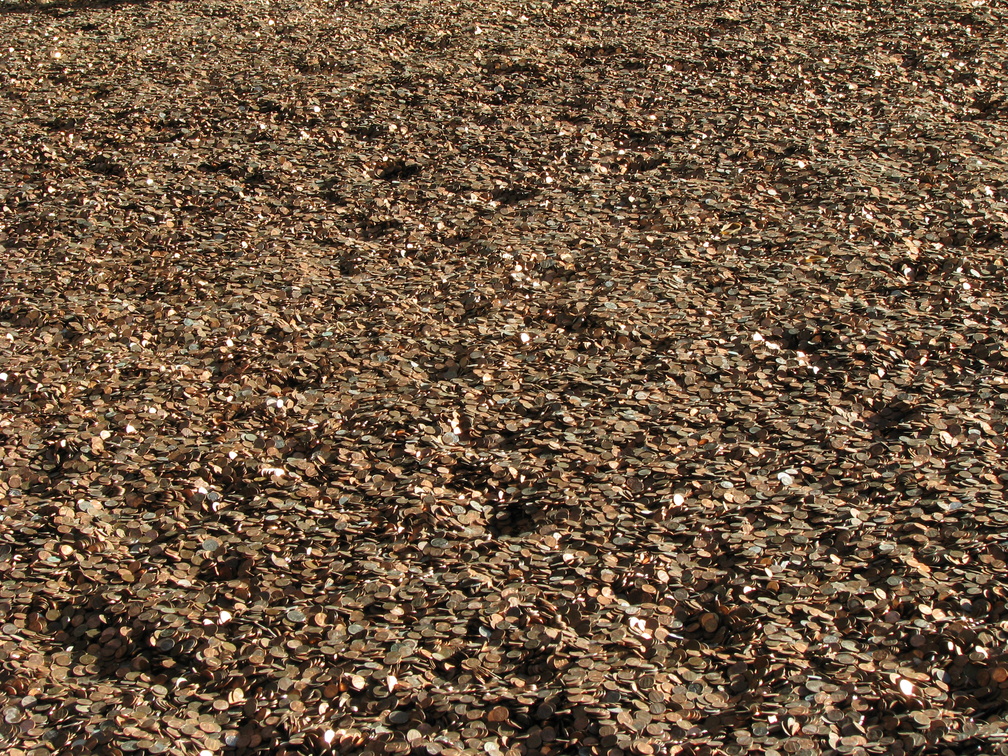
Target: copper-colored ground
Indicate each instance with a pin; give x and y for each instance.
(571, 378)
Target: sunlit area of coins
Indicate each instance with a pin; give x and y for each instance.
(551, 378)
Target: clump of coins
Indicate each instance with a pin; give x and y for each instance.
(593, 378)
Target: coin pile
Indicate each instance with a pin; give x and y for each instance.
(544, 378)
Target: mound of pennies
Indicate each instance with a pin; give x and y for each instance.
(547, 378)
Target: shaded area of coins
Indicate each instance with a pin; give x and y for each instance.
(550, 378)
